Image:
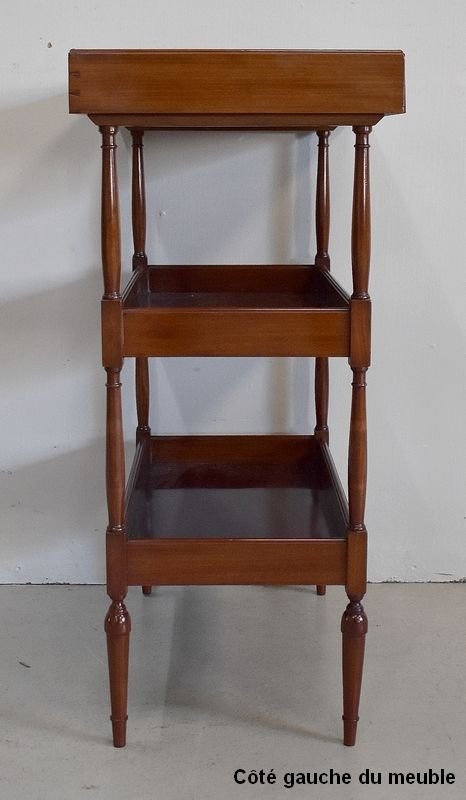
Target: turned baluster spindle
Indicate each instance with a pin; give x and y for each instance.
(357, 453)
(117, 621)
(360, 257)
(138, 205)
(361, 220)
(142, 397)
(115, 457)
(113, 361)
(322, 261)
(354, 620)
(138, 208)
(321, 391)
(111, 256)
(138, 200)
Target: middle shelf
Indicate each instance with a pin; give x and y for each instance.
(266, 310)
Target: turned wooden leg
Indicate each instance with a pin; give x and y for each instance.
(322, 261)
(354, 629)
(117, 628)
(321, 428)
(117, 621)
(354, 621)
(138, 205)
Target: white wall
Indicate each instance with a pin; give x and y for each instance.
(232, 198)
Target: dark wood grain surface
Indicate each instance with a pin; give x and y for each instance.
(235, 487)
(236, 82)
(242, 311)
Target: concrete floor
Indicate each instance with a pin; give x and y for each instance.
(225, 678)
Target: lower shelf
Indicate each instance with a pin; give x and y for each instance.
(235, 509)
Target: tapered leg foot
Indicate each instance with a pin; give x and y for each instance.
(321, 589)
(354, 629)
(117, 628)
(147, 591)
(119, 732)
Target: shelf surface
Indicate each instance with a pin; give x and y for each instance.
(260, 286)
(254, 487)
(235, 310)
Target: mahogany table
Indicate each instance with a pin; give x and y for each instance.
(260, 310)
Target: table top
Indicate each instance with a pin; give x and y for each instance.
(236, 88)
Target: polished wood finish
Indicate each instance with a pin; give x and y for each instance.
(303, 286)
(356, 580)
(118, 628)
(249, 509)
(236, 82)
(321, 389)
(112, 329)
(142, 396)
(357, 460)
(117, 621)
(322, 260)
(361, 222)
(115, 461)
(111, 256)
(219, 562)
(360, 253)
(217, 485)
(243, 122)
(138, 207)
(227, 332)
(322, 215)
(138, 200)
(255, 450)
(244, 310)
(354, 621)
(221, 487)
(354, 629)
(360, 333)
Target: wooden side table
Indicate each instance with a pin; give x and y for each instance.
(269, 310)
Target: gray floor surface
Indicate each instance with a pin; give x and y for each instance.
(225, 679)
